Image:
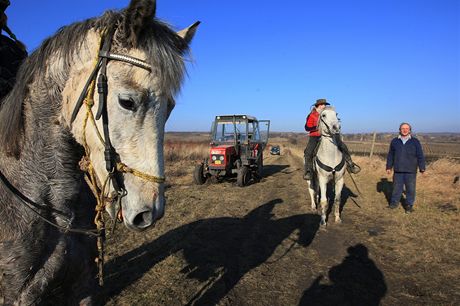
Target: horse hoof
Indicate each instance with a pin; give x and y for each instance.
(338, 220)
(322, 223)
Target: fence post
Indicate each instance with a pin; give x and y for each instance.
(373, 144)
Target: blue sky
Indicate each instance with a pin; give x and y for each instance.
(378, 62)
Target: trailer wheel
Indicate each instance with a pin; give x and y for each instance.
(243, 176)
(198, 176)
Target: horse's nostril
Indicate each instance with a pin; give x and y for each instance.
(143, 219)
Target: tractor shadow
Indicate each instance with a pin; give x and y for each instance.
(270, 170)
(355, 281)
(218, 251)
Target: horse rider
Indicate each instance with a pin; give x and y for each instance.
(311, 126)
(12, 53)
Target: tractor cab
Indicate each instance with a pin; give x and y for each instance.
(237, 144)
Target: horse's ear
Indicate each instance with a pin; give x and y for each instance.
(136, 15)
(188, 33)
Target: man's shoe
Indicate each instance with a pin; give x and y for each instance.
(393, 205)
(409, 209)
(307, 176)
(353, 168)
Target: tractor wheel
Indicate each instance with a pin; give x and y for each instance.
(198, 176)
(243, 176)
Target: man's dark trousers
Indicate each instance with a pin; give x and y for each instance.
(308, 152)
(401, 179)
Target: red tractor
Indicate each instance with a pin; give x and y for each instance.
(237, 145)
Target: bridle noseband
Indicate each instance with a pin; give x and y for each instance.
(114, 167)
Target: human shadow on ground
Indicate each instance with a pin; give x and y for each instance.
(218, 251)
(356, 281)
(385, 187)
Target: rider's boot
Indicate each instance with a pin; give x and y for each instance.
(308, 170)
(351, 166)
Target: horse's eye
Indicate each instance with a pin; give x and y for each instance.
(323, 115)
(127, 102)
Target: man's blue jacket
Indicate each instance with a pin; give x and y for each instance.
(406, 157)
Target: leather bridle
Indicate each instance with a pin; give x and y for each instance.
(114, 167)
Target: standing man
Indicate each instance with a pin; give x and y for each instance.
(404, 156)
(311, 126)
(12, 53)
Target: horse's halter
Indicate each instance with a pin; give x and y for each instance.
(114, 167)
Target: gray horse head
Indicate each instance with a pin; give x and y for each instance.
(138, 102)
(47, 138)
(329, 123)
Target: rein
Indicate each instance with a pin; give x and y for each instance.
(114, 167)
(33, 206)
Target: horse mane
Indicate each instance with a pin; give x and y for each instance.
(164, 48)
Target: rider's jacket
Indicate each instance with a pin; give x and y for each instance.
(311, 124)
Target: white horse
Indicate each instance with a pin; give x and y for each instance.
(329, 165)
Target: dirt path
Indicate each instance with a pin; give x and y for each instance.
(262, 245)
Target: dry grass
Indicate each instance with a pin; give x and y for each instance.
(439, 185)
(186, 151)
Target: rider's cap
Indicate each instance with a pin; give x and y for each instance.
(321, 101)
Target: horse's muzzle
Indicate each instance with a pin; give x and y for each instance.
(145, 217)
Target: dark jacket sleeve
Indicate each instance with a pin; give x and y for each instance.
(391, 156)
(306, 125)
(420, 156)
(307, 128)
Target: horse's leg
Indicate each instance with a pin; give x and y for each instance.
(322, 181)
(338, 196)
(313, 195)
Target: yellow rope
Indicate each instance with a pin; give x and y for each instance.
(151, 178)
(91, 177)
